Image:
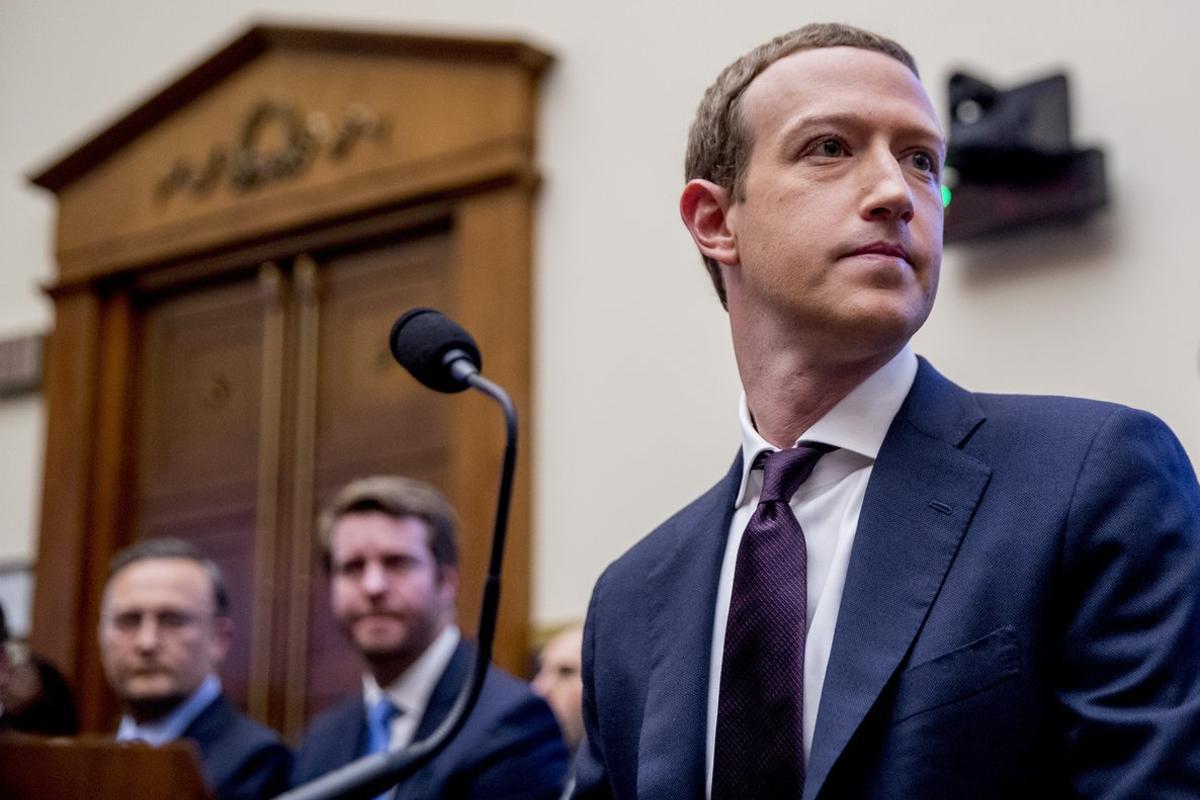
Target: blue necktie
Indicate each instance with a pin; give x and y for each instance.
(379, 730)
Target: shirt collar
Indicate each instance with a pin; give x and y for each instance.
(858, 423)
(169, 728)
(411, 691)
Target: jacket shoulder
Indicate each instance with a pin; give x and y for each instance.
(331, 740)
(242, 758)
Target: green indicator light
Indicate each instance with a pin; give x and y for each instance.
(945, 195)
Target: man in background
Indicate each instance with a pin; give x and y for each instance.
(900, 589)
(164, 632)
(390, 549)
(559, 681)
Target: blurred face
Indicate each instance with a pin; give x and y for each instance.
(159, 636)
(559, 681)
(388, 593)
(838, 233)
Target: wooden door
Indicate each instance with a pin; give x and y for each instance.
(258, 399)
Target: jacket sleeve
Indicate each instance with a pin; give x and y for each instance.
(1128, 683)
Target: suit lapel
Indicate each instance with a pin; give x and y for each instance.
(445, 692)
(922, 494)
(681, 595)
(348, 735)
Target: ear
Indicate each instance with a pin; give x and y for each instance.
(448, 585)
(223, 628)
(704, 207)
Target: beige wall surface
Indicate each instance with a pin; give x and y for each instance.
(635, 383)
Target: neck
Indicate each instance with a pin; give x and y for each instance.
(152, 710)
(794, 373)
(789, 390)
(385, 668)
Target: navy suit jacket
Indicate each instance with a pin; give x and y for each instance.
(240, 759)
(510, 746)
(1021, 618)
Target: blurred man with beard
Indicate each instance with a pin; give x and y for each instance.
(390, 549)
(164, 631)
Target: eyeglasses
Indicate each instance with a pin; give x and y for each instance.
(170, 621)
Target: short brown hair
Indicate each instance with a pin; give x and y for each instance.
(719, 144)
(152, 549)
(397, 497)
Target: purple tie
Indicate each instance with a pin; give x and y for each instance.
(760, 710)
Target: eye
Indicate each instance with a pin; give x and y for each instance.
(128, 621)
(828, 147)
(398, 563)
(925, 162)
(173, 620)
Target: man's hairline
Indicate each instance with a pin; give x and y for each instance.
(738, 119)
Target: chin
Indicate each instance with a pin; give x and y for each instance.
(889, 321)
(154, 693)
(381, 646)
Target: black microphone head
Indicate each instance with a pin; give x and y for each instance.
(420, 340)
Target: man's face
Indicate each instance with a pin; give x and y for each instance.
(559, 682)
(159, 636)
(388, 593)
(839, 231)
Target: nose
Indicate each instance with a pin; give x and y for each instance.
(373, 580)
(887, 194)
(146, 638)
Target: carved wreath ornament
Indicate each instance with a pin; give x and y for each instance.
(276, 143)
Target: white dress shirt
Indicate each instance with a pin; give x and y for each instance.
(827, 506)
(410, 692)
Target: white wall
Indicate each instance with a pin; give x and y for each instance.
(635, 382)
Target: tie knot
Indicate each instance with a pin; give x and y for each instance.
(382, 714)
(379, 724)
(785, 470)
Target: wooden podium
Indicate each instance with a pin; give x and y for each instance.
(97, 768)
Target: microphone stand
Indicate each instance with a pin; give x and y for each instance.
(369, 776)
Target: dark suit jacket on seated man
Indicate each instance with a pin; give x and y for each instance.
(164, 631)
(390, 549)
(922, 592)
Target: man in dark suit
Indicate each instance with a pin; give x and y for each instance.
(390, 549)
(900, 589)
(164, 631)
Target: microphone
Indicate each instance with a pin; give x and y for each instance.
(435, 349)
(444, 357)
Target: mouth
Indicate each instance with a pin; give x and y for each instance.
(887, 249)
(378, 618)
(149, 669)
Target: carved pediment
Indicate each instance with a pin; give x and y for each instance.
(285, 125)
